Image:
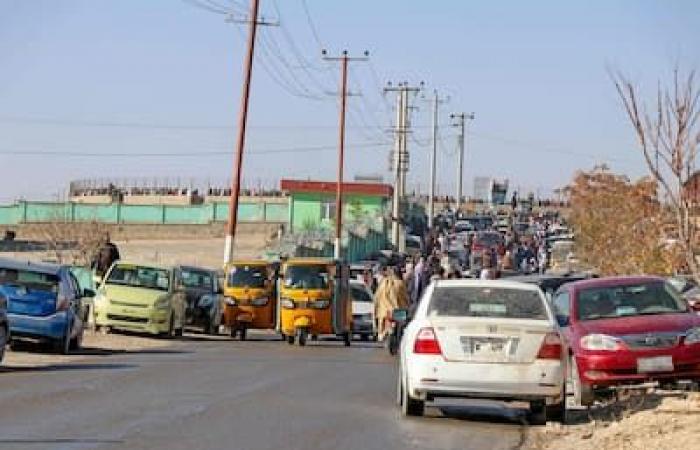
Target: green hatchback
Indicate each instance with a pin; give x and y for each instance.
(142, 298)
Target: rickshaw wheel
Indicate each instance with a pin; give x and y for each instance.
(302, 337)
(290, 339)
(243, 334)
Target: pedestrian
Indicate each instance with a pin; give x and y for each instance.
(107, 253)
(391, 294)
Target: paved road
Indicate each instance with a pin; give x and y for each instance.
(203, 394)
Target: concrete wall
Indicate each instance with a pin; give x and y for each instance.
(253, 210)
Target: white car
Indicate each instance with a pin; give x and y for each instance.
(362, 310)
(485, 339)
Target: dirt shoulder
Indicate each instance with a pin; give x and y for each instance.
(664, 421)
(94, 344)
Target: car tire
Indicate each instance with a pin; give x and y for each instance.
(537, 414)
(364, 337)
(290, 339)
(3, 341)
(77, 342)
(179, 332)
(62, 345)
(410, 407)
(347, 339)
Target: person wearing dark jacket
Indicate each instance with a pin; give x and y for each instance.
(105, 257)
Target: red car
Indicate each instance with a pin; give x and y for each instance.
(625, 331)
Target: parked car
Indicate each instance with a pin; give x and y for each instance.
(624, 331)
(4, 326)
(362, 310)
(203, 297)
(550, 283)
(488, 339)
(142, 298)
(44, 303)
(86, 282)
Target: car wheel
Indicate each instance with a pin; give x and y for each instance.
(409, 405)
(347, 339)
(3, 342)
(62, 345)
(77, 342)
(537, 414)
(290, 339)
(179, 332)
(364, 337)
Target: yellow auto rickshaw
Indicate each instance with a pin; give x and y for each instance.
(314, 300)
(250, 300)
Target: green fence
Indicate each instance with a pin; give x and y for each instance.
(44, 212)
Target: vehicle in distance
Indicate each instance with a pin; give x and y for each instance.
(362, 310)
(488, 339)
(484, 241)
(203, 297)
(43, 303)
(4, 326)
(142, 298)
(624, 331)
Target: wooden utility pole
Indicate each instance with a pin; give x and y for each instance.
(240, 141)
(344, 60)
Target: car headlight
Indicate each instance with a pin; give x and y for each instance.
(162, 302)
(692, 336)
(319, 304)
(600, 342)
(287, 303)
(230, 301)
(262, 301)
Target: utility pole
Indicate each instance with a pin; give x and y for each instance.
(240, 141)
(399, 160)
(344, 60)
(433, 159)
(461, 118)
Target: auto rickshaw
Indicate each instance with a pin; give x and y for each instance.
(250, 301)
(314, 300)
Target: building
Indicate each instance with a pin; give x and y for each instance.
(482, 186)
(312, 203)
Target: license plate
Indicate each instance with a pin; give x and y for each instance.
(655, 364)
(478, 346)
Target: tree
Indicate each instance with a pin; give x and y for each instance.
(669, 138)
(619, 224)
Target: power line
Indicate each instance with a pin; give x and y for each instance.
(312, 26)
(306, 149)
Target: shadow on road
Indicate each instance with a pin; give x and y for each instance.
(483, 413)
(60, 441)
(65, 367)
(96, 351)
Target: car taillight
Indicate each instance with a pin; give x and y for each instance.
(426, 343)
(551, 347)
(62, 303)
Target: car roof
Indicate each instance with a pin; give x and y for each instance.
(46, 268)
(150, 266)
(614, 281)
(487, 283)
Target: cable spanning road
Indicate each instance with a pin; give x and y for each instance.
(220, 394)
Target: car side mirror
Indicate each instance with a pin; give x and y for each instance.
(88, 293)
(399, 315)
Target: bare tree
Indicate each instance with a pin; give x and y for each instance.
(669, 138)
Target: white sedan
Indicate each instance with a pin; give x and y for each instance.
(489, 339)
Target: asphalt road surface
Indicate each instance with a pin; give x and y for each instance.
(221, 394)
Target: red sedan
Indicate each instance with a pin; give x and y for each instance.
(625, 331)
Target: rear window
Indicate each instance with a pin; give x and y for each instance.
(29, 280)
(359, 294)
(486, 302)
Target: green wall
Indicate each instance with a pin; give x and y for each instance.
(43, 212)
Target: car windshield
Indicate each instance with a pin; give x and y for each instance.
(246, 276)
(196, 279)
(359, 294)
(306, 277)
(630, 300)
(139, 276)
(29, 280)
(478, 301)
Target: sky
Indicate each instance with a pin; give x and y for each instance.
(145, 90)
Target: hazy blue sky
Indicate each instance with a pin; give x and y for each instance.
(93, 83)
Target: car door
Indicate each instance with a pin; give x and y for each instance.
(74, 296)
